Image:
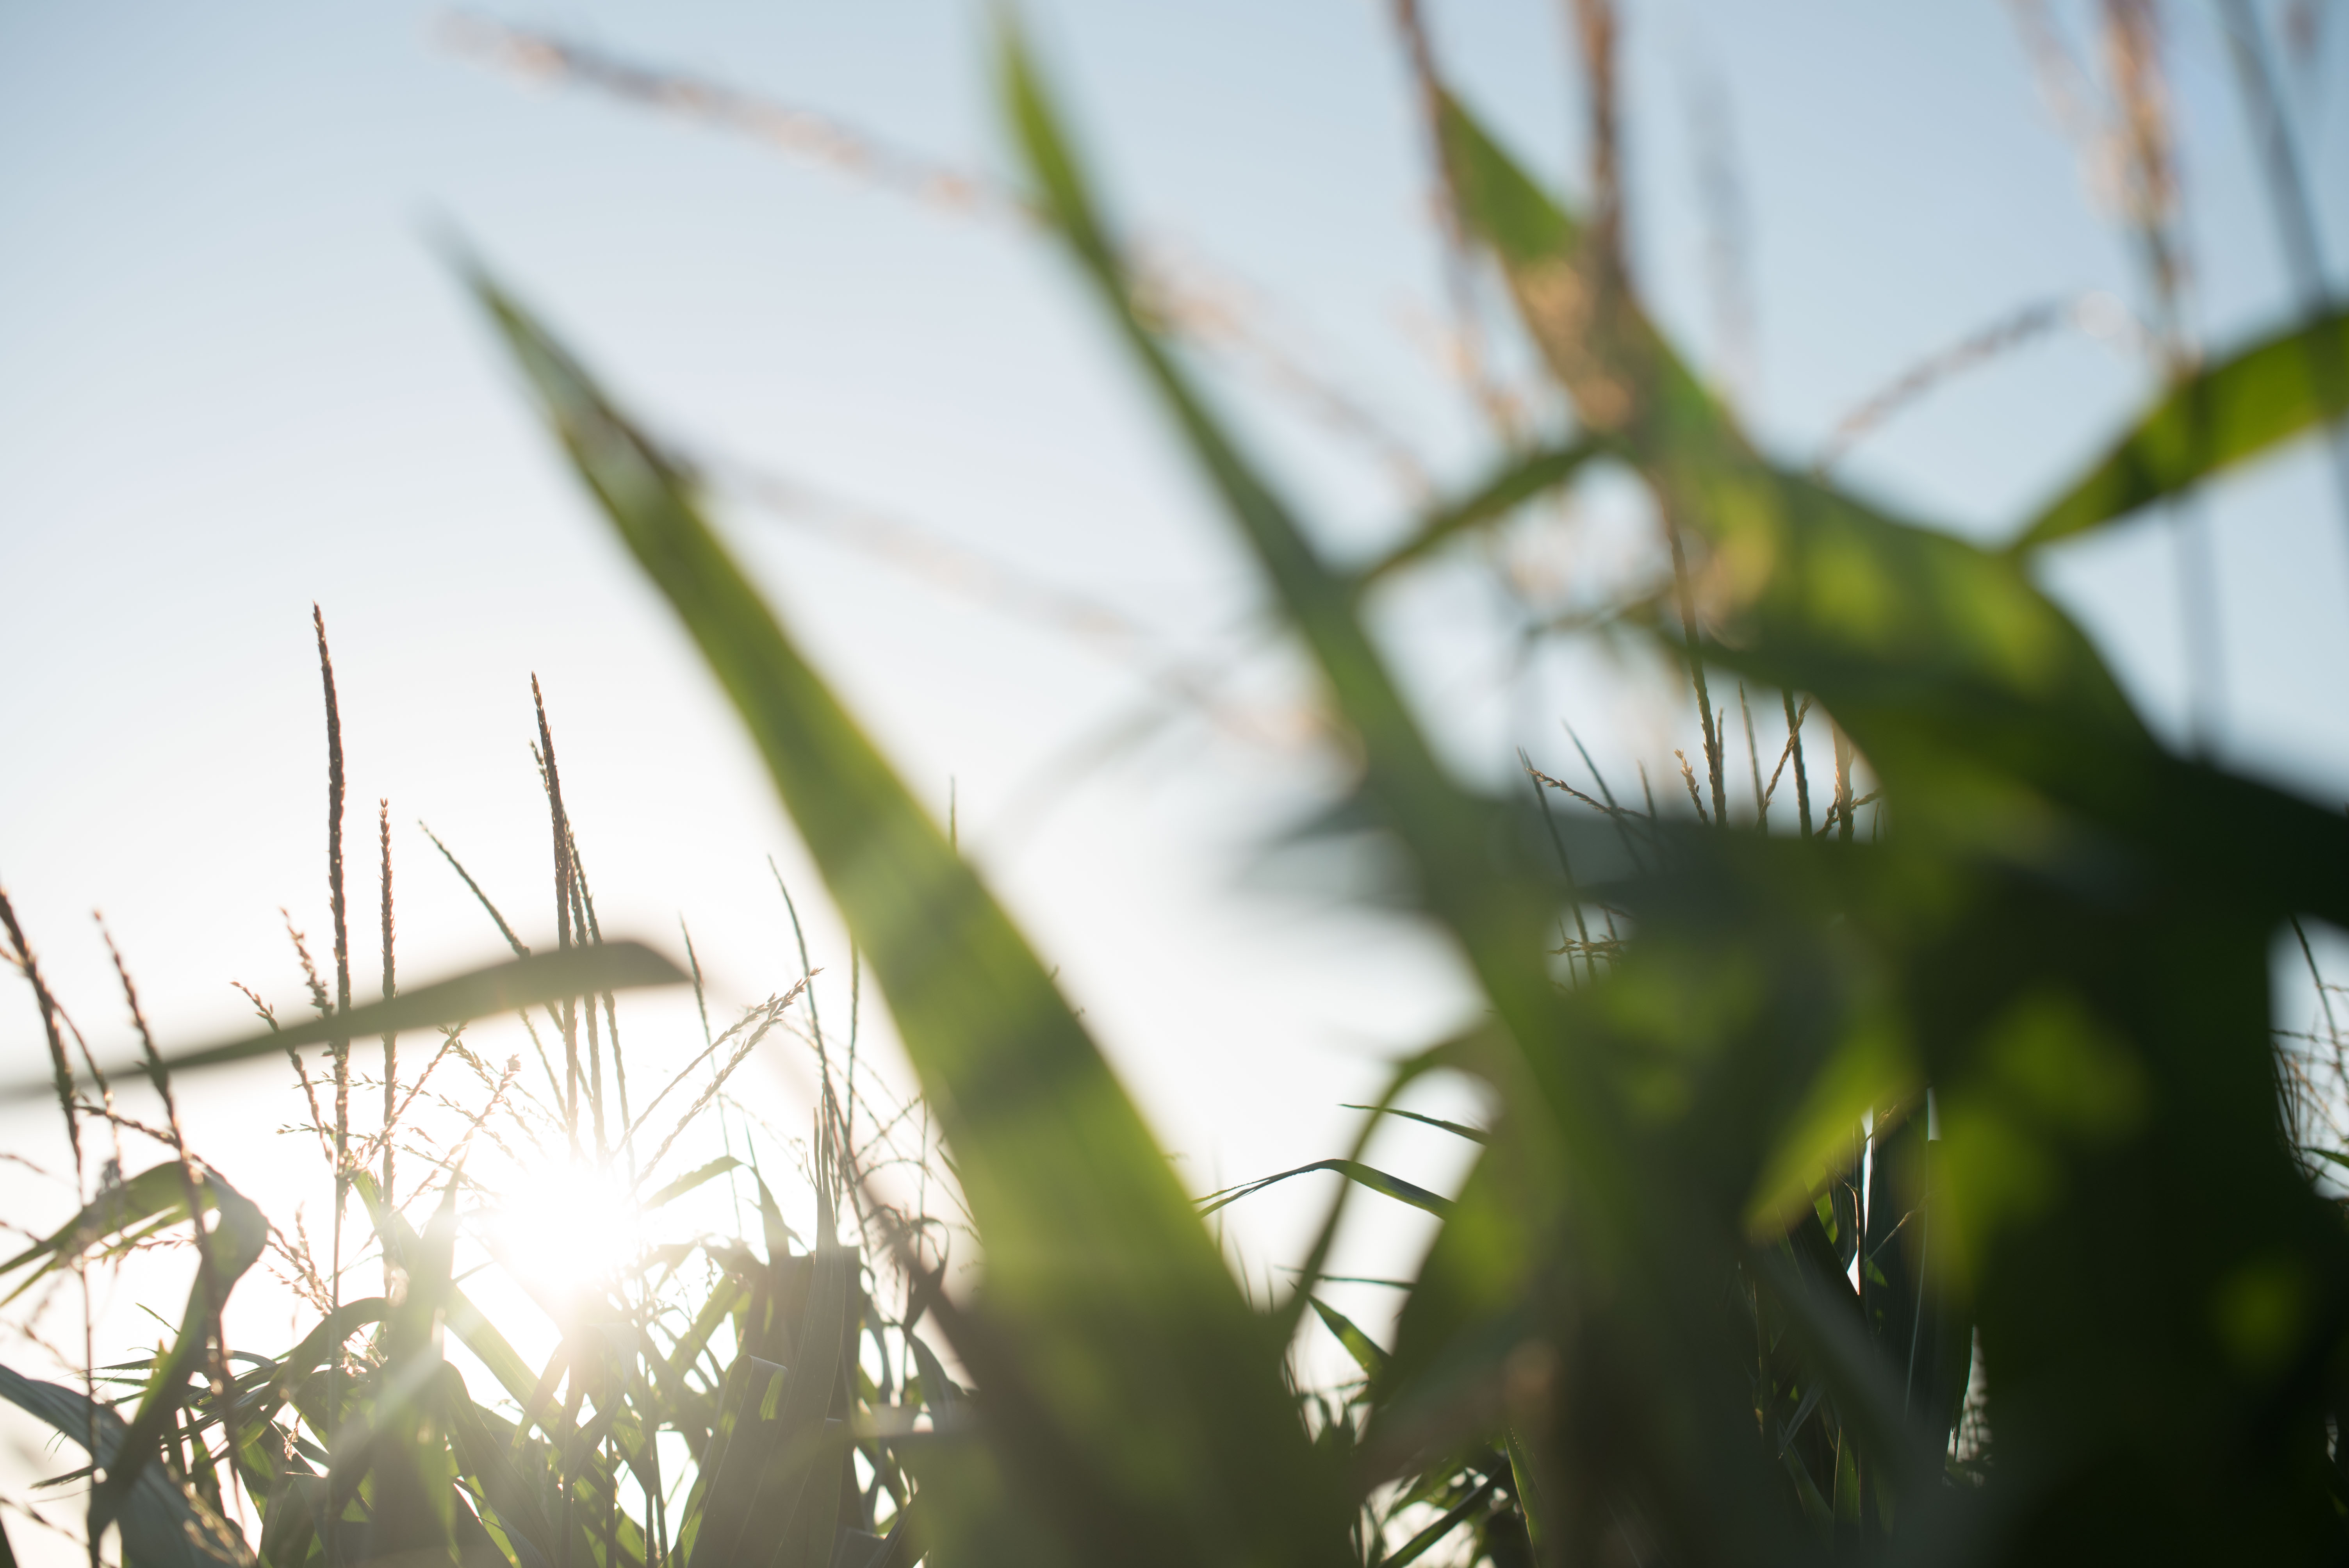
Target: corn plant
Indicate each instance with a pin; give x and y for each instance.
(363, 1441)
(1927, 1195)
(1840, 1128)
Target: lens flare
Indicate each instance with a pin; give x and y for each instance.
(568, 1230)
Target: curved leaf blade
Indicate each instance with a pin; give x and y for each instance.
(163, 1524)
(506, 987)
(234, 1243)
(156, 1197)
(1104, 1283)
(1365, 1350)
(1525, 477)
(2256, 399)
(1353, 1170)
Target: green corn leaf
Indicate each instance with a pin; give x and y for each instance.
(1411, 1551)
(733, 1493)
(1493, 911)
(482, 992)
(150, 1202)
(1457, 1130)
(940, 1392)
(537, 1409)
(163, 1523)
(286, 1379)
(1290, 1312)
(289, 1531)
(291, 1492)
(495, 1463)
(2249, 403)
(402, 1441)
(1105, 1286)
(1533, 1497)
(1522, 478)
(1493, 908)
(777, 1234)
(1353, 1170)
(1815, 1508)
(810, 1482)
(1359, 1344)
(1867, 1387)
(690, 1180)
(1504, 206)
(233, 1245)
(470, 1324)
(1911, 636)
(905, 1543)
(479, 1334)
(727, 1295)
(1471, 1304)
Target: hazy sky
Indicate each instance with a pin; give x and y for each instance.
(237, 376)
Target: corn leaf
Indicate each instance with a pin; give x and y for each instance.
(1353, 1170)
(1888, 619)
(123, 1215)
(1106, 1287)
(500, 988)
(1411, 1551)
(690, 1180)
(1493, 905)
(401, 1441)
(1365, 1350)
(163, 1523)
(1520, 479)
(233, 1245)
(2248, 403)
(940, 1393)
(1457, 1130)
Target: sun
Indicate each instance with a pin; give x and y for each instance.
(568, 1230)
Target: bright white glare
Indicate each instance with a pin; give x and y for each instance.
(567, 1231)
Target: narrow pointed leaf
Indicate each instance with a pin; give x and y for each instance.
(1457, 1130)
(1522, 478)
(482, 992)
(1830, 593)
(155, 1198)
(1365, 1350)
(235, 1244)
(692, 1179)
(163, 1524)
(1494, 908)
(1110, 1289)
(2249, 403)
(1353, 1170)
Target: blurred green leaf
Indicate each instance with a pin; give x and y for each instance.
(1520, 479)
(121, 1215)
(940, 1392)
(506, 987)
(690, 1180)
(1359, 1344)
(1418, 1547)
(1494, 906)
(1457, 1130)
(234, 1244)
(163, 1523)
(401, 1442)
(2226, 413)
(1916, 640)
(1353, 1170)
(812, 1433)
(1107, 1288)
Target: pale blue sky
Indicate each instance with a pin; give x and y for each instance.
(235, 376)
